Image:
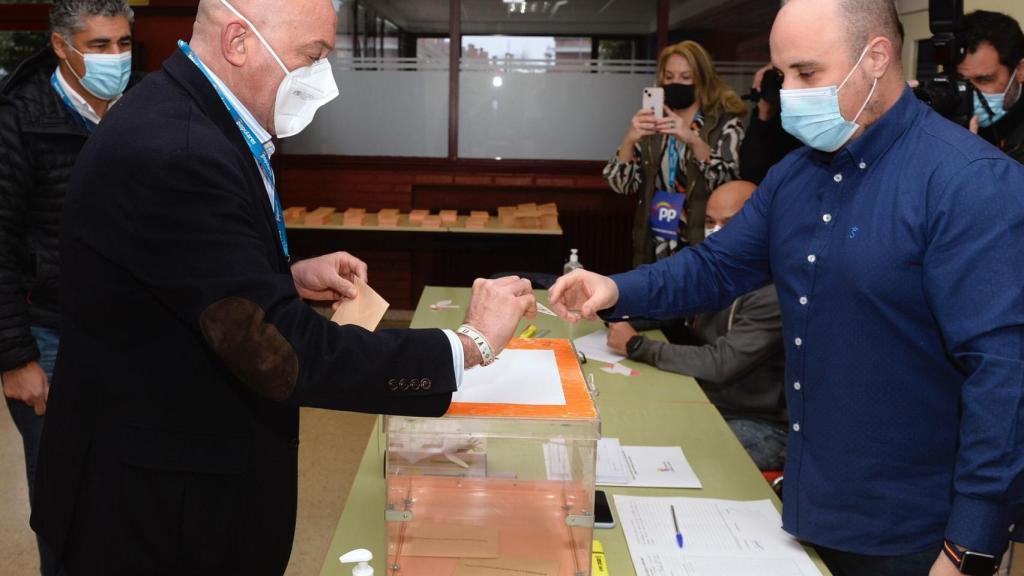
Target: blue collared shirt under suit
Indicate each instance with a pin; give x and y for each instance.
(899, 263)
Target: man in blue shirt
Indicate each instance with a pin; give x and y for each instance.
(894, 240)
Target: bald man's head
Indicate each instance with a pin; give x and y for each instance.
(855, 21)
(726, 201)
(299, 32)
(854, 45)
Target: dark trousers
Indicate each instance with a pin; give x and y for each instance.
(849, 564)
(30, 427)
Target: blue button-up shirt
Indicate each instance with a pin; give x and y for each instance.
(899, 263)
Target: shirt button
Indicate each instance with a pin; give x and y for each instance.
(796, 427)
(803, 300)
(796, 385)
(827, 218)
(862, 165)
(812, 258)
(838, 177)
(799, 341)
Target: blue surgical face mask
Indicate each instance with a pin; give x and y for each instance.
(106, 75)
(996, 104)
(813, 116)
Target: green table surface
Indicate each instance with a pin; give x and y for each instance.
(655, 408)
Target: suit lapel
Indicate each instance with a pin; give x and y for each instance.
(179, 67)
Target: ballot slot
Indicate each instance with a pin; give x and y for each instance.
(470, 493)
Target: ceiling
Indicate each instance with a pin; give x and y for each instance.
(567, 17)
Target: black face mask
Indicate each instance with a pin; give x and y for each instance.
(679, 96)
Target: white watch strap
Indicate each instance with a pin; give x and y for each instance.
(486, 351)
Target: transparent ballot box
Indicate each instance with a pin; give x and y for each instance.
(504, 482)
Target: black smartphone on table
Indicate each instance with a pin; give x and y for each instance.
(602, 511)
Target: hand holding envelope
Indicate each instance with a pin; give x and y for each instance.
(365, 310)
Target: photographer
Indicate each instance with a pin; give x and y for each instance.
(691, 150)
(994, 63)
(766, 142)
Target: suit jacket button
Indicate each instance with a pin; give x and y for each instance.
(426, 383)
(392, 385)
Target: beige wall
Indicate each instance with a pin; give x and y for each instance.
(914, 14)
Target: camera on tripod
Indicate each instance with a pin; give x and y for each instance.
(942, 88)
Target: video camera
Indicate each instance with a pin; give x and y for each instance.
(942, 88)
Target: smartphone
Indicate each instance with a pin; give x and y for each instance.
(602, 511)
(654, 99)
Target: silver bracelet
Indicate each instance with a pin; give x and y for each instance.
(486, 351)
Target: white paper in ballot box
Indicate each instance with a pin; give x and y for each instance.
(527, 377)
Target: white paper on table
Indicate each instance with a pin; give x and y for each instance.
(556, 461)
(516, 377)
(721, 538)
(654, 467)
(595, 347)
(611, 463)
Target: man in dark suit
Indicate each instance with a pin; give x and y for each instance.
(171, 439)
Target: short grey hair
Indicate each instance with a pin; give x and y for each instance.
(67, 17)
(867, 19)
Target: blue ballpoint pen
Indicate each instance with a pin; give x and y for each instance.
(675, 522)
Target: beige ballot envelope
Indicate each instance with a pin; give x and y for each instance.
(366, 310)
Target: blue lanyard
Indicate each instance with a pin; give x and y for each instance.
(673, 156)
(87, 124)
(673, 164)
(259, 152)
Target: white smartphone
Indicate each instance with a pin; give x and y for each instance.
(654, 99)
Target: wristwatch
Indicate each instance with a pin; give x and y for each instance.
(970, 562)
(633, 345)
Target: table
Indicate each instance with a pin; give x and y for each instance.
(656, 408)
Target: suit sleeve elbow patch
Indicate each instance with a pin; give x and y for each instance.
(253, 350)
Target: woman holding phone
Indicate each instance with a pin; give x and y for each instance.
(684, 153)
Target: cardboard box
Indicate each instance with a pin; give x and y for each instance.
(294, 214)
(449, 216)
(320, 216)
(476, 223)
(417, 216)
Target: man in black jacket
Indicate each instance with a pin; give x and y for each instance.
(736, 354)
(994, 64)
(766, 143)
(171, 440)
(48, 108)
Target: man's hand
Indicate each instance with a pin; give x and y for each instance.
(619, 334)
(495, 310)
(28, 384)
(582, 294)
(943, 567)
(328, 277)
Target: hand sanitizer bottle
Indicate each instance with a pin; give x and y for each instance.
(573, 263)
(362, 556)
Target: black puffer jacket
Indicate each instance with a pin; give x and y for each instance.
(39, 143)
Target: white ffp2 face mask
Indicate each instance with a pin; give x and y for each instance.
(302, 92)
